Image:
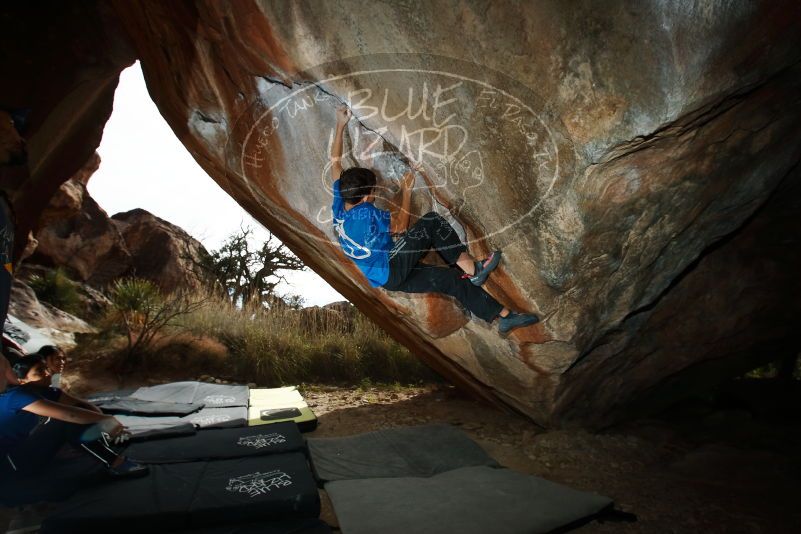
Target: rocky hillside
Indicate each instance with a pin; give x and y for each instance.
(638, 165)
(77, 234)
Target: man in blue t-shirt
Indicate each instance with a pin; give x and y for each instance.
(365, 234)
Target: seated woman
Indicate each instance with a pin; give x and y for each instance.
(27, 445)
(55, 360)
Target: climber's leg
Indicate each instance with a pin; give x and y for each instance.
(434, 231)
(424, 278)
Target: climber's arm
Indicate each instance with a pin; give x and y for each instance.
(343, 116)
(400, 222)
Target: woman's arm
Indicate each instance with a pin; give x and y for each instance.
(400, 223)
(65, 412)
(71, 400)
(343, 116)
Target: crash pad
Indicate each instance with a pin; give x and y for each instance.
(219, 444)
(470, 500)
(211, 395)
(416, 451)
(273, 405)
(191, 495)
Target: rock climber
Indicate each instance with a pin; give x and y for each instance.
(366, 233)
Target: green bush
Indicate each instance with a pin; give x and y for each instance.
(55, 288)
(143, 313)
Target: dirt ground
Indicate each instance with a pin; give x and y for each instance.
(725, 472)
(674, 478)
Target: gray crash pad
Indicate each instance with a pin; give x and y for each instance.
(418, 451)
(471, 500)
(219, 417)
(212, 395)
(142, 407)
(142, 427)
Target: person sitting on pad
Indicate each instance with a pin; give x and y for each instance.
(36, 421)
(365, 234)
(55, 360)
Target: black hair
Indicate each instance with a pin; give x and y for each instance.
(356, 183)
(48, 350)
(21, 366)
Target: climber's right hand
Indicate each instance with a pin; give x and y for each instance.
(343, 115)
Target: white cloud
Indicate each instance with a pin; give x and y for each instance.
(145, 166)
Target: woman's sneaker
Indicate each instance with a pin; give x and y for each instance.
(484, 268)
(516, 320)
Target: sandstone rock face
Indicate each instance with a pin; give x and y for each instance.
(57, 324)
(60, 66)
(637, 165)
(161, 251)
(605, 151)
(76, 233)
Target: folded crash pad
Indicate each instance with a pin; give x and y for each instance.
(197, 494)
(418, 451)
(470, 500)
(212, 395)
(110, 395)
(274, 405)
(219, 444)
(272, 395)
(134, 406)
(143, 428)
(235, 416)
(298, 412)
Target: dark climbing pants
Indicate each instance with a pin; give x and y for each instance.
(407, 274)
(35, 453)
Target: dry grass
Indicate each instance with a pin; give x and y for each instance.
(283, 345)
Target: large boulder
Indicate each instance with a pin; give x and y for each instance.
(54, 323)
(77, 234)
(607, 151)
(162, 252)
(637, 165)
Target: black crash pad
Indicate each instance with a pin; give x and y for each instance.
(417, 451)
(197, 494)
(60, 479)
(471, 500)
(223, 443)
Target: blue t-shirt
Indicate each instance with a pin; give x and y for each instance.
(15, 422)
(364, 235)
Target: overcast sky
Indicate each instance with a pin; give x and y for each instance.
(145, 166)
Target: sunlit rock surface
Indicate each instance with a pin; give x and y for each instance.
(636, 164)
(75, 233)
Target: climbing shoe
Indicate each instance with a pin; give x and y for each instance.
(516, 320)
(128, 468)
(484, 268)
